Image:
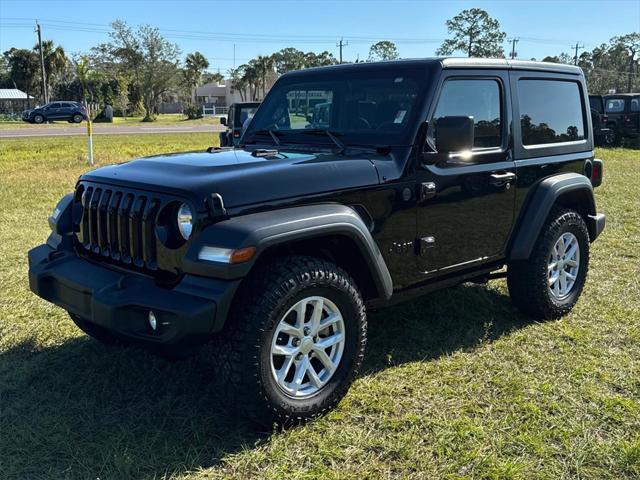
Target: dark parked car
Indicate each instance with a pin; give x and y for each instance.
(428, 173)
(602, 135)
(70, 111)
(239, 114)
(623, 115)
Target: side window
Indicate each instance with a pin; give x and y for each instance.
(551, 111)
(479, 99)
(635, 104)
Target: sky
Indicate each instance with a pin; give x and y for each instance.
(241, 29)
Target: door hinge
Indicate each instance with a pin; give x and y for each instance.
(427, 190)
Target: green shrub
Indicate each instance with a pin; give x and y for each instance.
(192, 112)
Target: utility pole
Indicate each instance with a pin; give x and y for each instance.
(45, 94)
(234, 56)
(577, 46)
(341, 44)
(514, 41)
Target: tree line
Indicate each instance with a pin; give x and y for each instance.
(136, 69)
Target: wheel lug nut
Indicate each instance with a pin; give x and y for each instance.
(306, 330)
(296, 342)
(299, 356)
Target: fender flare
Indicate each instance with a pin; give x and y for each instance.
(540, 203)
(267, 229)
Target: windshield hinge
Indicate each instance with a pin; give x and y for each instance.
(215, 205)
(264, 153)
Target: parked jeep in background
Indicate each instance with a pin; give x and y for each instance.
(602, 135)
(623, 115)
(239, 114)
(73, 112)
(428, 174)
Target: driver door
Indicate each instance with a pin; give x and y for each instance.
(466, 209)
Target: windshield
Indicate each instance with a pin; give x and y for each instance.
(245, 113)
(362, 107)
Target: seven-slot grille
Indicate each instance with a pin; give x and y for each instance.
(120, 224)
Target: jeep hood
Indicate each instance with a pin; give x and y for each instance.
(240, 177)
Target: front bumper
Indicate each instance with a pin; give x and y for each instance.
(120, 301)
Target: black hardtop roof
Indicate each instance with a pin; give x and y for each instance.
(448, 62)
(613, 95)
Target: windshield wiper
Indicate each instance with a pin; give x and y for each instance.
(332, 135)
(271, 133)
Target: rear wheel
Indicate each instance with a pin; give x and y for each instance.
(77, 118)
(549, 283)
(295, 342)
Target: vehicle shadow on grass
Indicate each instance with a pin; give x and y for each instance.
(85, 410)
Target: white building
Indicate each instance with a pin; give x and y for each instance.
(213, 94)
(13, 100)
(223, 95)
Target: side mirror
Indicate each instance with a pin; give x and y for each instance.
(223, 121)
(454, 134)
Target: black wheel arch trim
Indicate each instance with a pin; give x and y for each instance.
(264, 230)
(540, 203)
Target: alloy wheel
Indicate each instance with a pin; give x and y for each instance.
(563, 265)
(307, 346)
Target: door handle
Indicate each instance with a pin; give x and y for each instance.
(502, 179)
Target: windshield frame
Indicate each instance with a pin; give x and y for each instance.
(321, 79)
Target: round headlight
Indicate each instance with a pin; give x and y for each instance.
(185, 220)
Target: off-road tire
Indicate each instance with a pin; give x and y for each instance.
(528, 280)
(244, 347)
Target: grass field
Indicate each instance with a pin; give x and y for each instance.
(455, 385)
(162, 119)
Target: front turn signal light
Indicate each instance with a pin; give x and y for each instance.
(226, 255)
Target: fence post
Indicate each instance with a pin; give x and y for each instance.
(90, 141)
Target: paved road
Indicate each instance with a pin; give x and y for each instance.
(98, 129)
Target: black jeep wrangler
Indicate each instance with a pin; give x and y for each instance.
(235, 121)
(622, 112)
(428, 173)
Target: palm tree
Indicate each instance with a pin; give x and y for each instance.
(82, 73)
(195, 65)
(263, 66)
(251, 78)
(238, 81)
(55, 61)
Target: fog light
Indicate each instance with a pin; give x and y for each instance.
(153, 323)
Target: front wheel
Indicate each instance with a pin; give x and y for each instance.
(549, 283)
(38, 119)
(296, 342)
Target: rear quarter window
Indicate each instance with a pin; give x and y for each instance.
(551, 111)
